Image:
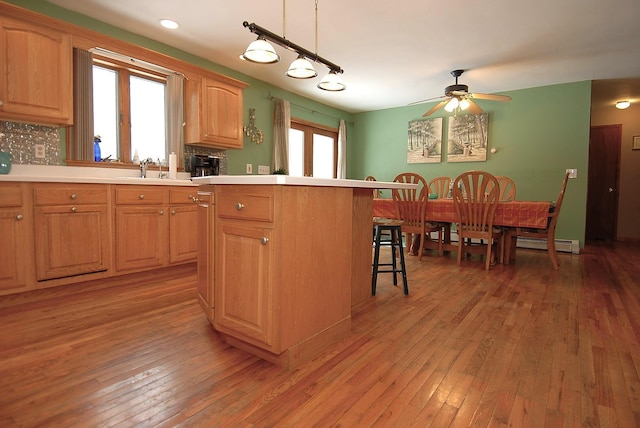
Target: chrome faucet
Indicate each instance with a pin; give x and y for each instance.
(143, 167)
(160, 173)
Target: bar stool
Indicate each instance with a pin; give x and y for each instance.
(388, 232)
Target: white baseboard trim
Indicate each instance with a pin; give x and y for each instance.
(562, 245)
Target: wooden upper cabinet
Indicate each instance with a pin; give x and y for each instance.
(35, 73)
(213, 111)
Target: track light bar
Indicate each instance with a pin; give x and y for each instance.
(272, 37)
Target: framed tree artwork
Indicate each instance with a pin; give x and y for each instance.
(424, 141)
(468, 138)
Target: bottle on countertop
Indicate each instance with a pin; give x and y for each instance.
(173, 167)
(97, 156)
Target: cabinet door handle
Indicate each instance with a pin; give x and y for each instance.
(264, 240)
(239, 206)
(19, 216)
(74, 209)
(173, 212)
(74, 196)
(141, 196)
(161, 212)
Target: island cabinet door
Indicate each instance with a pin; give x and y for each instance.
(244, 284)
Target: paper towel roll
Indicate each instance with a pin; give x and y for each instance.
(173, 167)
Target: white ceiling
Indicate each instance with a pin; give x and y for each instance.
(397, 52)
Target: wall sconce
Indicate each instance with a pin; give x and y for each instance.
(252, 131)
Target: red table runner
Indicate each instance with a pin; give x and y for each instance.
(515, 213)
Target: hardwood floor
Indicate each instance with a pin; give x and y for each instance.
(520, 345)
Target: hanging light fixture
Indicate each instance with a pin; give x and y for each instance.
(301, 67)
(332, 82)
(261, 52)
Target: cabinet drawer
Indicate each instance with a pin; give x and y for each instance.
(76, 194)
(183, 196)
(245, 206)
(139, 195)
(10, 195)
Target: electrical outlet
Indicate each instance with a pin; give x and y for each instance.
(40, 152)
(249, 168)
(573, 172)
(263, 169)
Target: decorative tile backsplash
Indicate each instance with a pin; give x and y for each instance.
(22, 140)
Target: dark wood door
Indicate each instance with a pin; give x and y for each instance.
(604, 168)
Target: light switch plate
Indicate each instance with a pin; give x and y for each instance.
(249, 168)
(573, 172)
(263, 169)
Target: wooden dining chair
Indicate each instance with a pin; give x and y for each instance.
(440, 185)
(507, 188)
(548, 233)
(376, 192)
(476, 196)
(411, 207)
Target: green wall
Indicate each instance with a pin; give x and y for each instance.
(539, 134)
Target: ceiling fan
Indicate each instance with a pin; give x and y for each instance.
(457, 98)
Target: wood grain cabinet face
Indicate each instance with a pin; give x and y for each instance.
(183, 220)
(16, 225)
(72, 230)
(206, 241)
(35, 73)
(141, 227)
(213, 111)
(155, 226)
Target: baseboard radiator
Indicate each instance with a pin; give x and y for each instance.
(562, 245)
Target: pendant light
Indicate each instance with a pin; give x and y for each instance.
(332, 82)
(301, 68)
(261, 52)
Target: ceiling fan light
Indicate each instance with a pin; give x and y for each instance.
(332, 82)
(622, 105)
(451, 105)
(261, 52)
(464, 104)
(301, 68)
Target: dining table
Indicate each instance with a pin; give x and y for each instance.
(527, 214)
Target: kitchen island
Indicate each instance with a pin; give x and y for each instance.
(288, 258)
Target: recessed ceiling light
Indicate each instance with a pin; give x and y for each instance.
(623, 105)
(169, 23)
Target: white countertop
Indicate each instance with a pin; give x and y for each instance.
(288, 180)
(79, 174)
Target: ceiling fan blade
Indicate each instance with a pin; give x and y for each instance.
(427, 100)
(490, 97)
(436, 107)
(473, 107)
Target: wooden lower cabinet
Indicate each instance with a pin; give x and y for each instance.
(16, 230)
(141, 237)
(282, 265)
(205, 252)
(182, 236)
(72, 230)
(155, 226)
(71, 240)
(244, 284)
